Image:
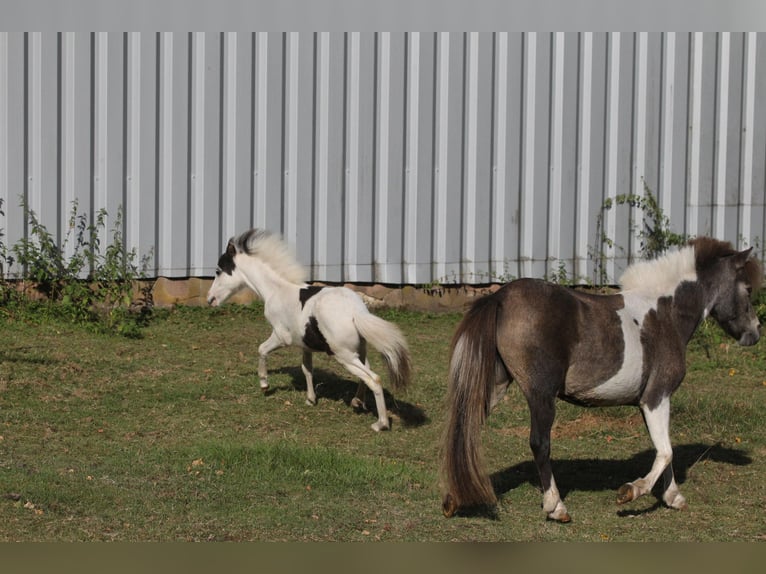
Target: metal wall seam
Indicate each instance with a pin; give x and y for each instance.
(260, 159)
(471, 136)
(693, 203)
(500, 161)
(584, 179)
(165, 160)
(410, 267)
(132, 210)
(667, 114)
(198, 139)
(557, 144)
(748, 133)
(382, 223)
(231, 117)
(34, 136)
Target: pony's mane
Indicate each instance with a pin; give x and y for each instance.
(272, 250)
(661, 276)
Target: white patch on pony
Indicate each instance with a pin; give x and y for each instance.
(625, 385)
(659, 277)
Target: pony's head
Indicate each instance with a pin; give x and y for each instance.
(731, 277)
(228, 277)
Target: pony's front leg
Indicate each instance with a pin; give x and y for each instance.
(308, 371)
(269, 345)
(658, 424)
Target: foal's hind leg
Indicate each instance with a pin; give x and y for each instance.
(657, 422)
(358, 401)
(359, 369)
(308, 371)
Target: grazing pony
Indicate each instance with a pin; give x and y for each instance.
(333, 320)
(592, 350)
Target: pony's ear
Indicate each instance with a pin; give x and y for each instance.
(231, 251)
(741, 257)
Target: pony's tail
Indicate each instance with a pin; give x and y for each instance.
(472, 373)
(390, 342)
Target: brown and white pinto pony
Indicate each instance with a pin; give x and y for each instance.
(626, 348)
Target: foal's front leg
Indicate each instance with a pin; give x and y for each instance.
(269, 345)
(658, 424)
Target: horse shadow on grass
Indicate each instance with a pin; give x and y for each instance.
(595, 474)
(329, 386)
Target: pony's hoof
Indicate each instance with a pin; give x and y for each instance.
(449, 506)
(560, 518)
(311, 403)
(678, 503)
(379, 426)
(358, 404)
(265, 387)
(626, 493)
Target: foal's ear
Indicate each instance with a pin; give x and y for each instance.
(231, 251)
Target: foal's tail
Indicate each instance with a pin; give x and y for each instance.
(389, 340)
(472, 373)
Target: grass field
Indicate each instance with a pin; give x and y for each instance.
(168, 438)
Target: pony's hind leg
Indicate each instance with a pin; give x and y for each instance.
(543, 410)
(308, 371)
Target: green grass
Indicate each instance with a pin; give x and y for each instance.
(168, 437)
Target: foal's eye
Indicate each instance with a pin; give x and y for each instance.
(217, 271)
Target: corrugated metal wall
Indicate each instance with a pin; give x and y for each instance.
(385, 157)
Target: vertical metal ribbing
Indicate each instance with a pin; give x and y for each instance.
(198, 137)
(471, 160)
(528, 182)
(261, 137)
(748, 134)
(442, 156)
(639, 152)
(322, 146)
(411, 167)
(351, 237)
(67, 136)
(291, 138)
(557, 145)
(101, 106)
(719, 204)
(4, 128)
(693, 203)
(34, 123)
(231, 116)
(612, 146)
(500, 161)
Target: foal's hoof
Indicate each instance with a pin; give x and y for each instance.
(265, 387)
(560, 518)
(449, 506)
(626, 493)
(311, 403)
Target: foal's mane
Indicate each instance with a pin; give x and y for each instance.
(272, 250)
(661, 276)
